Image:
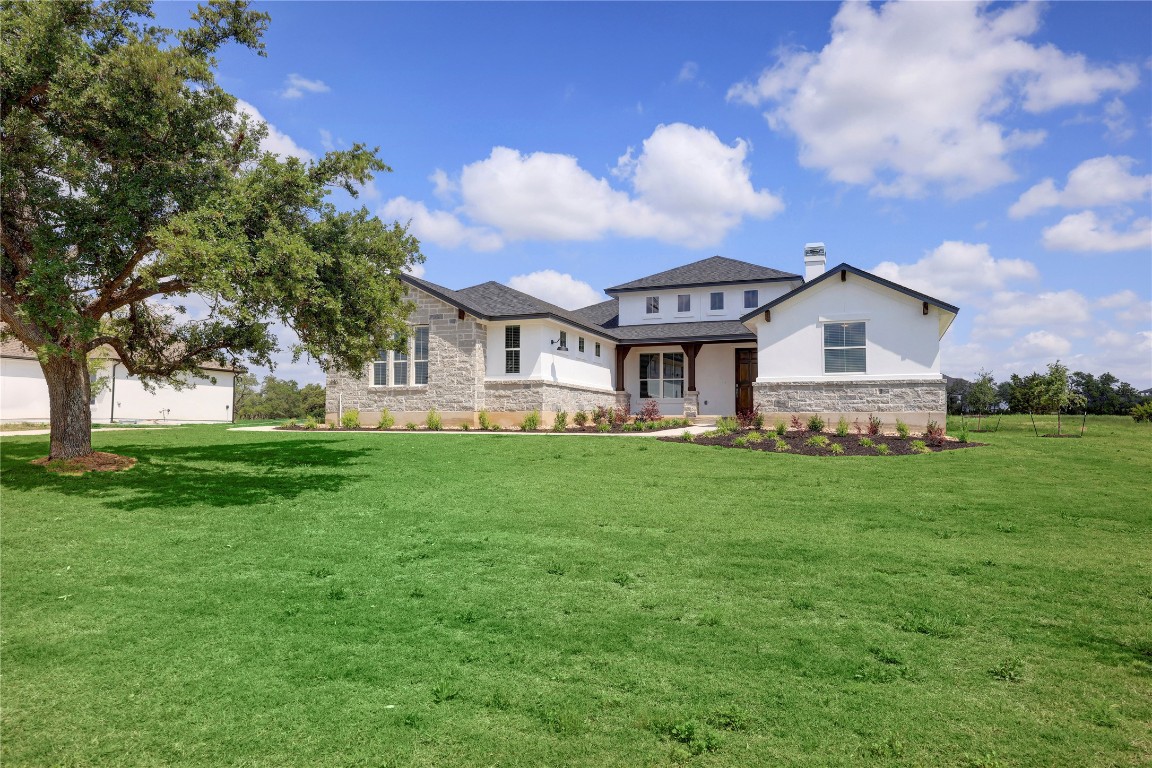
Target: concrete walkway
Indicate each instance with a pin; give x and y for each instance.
(696, 429)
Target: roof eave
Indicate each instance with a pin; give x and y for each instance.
(622, 289)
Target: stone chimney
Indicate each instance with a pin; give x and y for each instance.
(814, 261)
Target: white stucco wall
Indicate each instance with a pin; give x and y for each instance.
(901, 341)
(715, 379)
(633, 304)
(23, 393)
(541, 361)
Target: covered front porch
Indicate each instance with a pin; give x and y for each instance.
(694, 378)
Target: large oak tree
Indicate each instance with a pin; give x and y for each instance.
(131, 181)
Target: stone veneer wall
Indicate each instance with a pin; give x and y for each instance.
(456, 360)
(913, 401)
(507, 402)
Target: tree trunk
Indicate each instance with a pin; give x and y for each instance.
(69, 409)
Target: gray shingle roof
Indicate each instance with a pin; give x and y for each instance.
(668, 333)
(606, 314)
(716, 270)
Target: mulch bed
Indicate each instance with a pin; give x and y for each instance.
(572, 430)
(797, 443)
(97, 461)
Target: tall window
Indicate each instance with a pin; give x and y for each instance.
(420, 355)
(562, 345)
(662, 374)
(844, 348)
(597, 349)
(684, 302)
(751, 299)
(717, 298)
(652, 305)
(511, 349)
(580, 344)
(396, 363)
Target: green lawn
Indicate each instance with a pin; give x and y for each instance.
(277, 599)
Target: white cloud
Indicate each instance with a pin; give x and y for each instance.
(1118, 120)
(906, 97)
(1011, 310)
(276, 142)
(558, 288)
(296, 86)
(1139, 314)
(688, 187)
(1085, 231)
(326, 140)
(416, 270)
(956, 270)
(688, 72)
(1040, 344)
(1097, 182)
(440, 227)
(1117, 300)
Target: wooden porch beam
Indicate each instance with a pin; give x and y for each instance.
(621, 357)
(690, 352)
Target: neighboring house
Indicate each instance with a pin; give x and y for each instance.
(713, 337)
(24, 393)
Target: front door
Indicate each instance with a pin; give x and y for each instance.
(745, 375)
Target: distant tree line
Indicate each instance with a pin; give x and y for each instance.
(277, 399)
(1054, 391)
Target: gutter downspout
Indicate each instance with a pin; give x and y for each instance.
(112, 413)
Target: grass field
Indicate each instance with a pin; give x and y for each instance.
(283, 599)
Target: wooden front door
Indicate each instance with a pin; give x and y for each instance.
(745, 375)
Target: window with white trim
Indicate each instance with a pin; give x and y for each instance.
(662, 374)
(511, 349)
(420, 355)
(684, 302)
(580, 344)
(751, 299)
(652, 305)
(562, 345)
(717, 299)
(391, 367)
(844, 348)
(597, 349)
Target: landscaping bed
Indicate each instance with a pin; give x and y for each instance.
(601, 427)
(821, 444)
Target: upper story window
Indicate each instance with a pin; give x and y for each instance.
(844, 348)
(652, 305)
(597, 349)
(391, 367)
(562, 345)
(684, 302)
(717, 299)
(511, 349)
(751, 299)
(580, 344)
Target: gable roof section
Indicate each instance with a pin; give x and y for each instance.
(834, 272)
(674, 333)
(606, 314)
(495, 301)
(716, 270)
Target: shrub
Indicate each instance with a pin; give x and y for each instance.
(531, 422)
(857, 427)
(412, 426)
(688, 436)
(781, 429)
(726, 425)
(433, 421)
(882, 449)
(1142, 412)
(620, 416)
(484, 421)
(387, 420)
(350, 419)
(817, 440)
(842, 427)
(758, 420)
(867, 442)
(309, 423)
(901, 430)
(755, 437)
(650, 411)
(580, 418)
(815, 423)
(782, 445)
(963, 436)
(290, 423)
(750, 419)
(466, 426)
(919, 446)
(741, 441)
(874, 424)
(560, 423)
(602, 426)
(934, 434)
(600, 413)
(836, 449)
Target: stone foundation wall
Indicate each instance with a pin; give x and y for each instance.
(508, 402)
(913, 401)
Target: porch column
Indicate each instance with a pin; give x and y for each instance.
(623, 398)
(692, 396)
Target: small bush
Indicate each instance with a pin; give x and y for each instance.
(867, 442)
(919, 446)
(484, 421)
(874, 424)
(350, 419)
(883, 450)
(433, 421)
(815, 423)
(817, 440)
(531, 422)
(560, 423)
(901, 430)
(842, 427)
(620, 416)
(1142, 412)
(797, 424)
(741, 441)
(603, 426)
(466, 427)
(726, 425)
(688, 436)
(411, 426)
(600, 413)
(857, 427)
(309, 423)
(836, 449)
(580, 419)
(650, 411)
(754, 437)
(290, 423)
(750, 419)
(963, 436)
(782, 445)
(387, 420)
(781, 429)
(934, 434)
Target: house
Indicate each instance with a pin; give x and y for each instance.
(120, 397)
(714, 337)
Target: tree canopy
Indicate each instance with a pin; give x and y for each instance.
(131, 182)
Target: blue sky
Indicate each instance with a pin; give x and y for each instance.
(997, 156)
